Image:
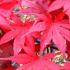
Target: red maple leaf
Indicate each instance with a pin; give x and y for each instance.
(34, 62)
(56, 23)
(57, 33)
(19, 30)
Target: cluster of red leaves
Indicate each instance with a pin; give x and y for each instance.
(19, 40)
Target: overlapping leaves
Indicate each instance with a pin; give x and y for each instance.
(51, 25)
